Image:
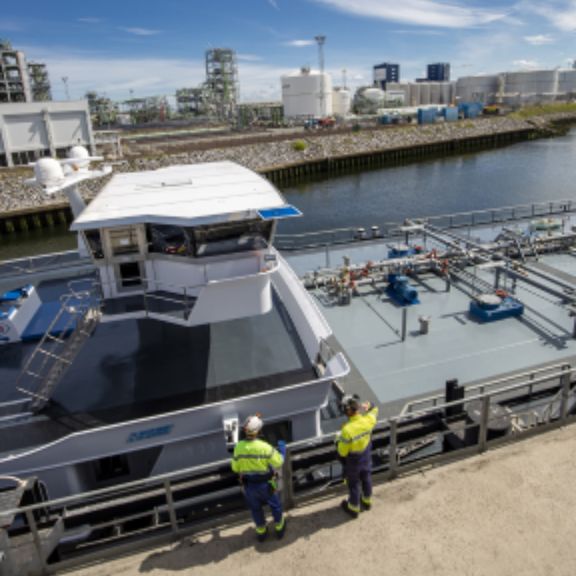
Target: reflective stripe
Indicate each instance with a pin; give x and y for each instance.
(260, 529)
(354, 508)
(354, 438)
(253, 456)
(280, 526)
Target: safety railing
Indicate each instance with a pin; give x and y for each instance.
(106, 522)
(35, 264)
(390, 230)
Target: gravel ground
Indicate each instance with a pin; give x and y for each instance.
(508, 512)
(267, 155)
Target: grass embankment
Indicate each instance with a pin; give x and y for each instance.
(544, 109)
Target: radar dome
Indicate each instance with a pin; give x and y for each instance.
(48, 172)
(81, 157)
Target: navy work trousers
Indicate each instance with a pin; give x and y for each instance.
(358, 474)
(257, 495)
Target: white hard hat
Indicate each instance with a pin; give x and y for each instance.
(253, 425)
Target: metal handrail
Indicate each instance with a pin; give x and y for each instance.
(407, 409)
(387, 430)
(533, 210)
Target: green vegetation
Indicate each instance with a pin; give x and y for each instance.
(299, 145)
(542, 109)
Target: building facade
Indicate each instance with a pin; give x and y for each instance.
(31, 130)
(439, 72)
(386, 72)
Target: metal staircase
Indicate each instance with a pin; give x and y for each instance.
(71, 327)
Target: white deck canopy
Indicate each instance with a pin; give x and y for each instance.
(188, 195)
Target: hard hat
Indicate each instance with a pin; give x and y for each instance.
(253, 425)
(350, 402)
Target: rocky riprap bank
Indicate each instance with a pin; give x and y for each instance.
(275, 157)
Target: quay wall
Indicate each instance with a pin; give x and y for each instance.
(23, 207)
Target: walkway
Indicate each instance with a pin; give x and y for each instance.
(509, 512)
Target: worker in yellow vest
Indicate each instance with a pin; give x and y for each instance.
(355, 450)
(257, 462)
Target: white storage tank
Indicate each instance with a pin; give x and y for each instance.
(566, 81)
(531, 82)
(341, 101)
(484, 88)
(302, 94)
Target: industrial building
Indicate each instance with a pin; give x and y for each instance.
(259, 114)
(21, 81)
(384, 73)
(306, 94)
(439, 72)
(31, 130)
(518, 88)
(217, 96)
(419, 93)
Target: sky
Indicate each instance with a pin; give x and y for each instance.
(125, 49)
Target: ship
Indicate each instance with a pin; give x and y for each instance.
(180, 321)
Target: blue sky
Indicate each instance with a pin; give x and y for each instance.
(150, 48)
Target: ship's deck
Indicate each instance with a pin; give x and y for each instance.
(137, 368)
(457, 346)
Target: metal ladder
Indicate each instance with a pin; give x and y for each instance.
(54, 354)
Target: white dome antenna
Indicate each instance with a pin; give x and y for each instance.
(48, 173)
(55, 175)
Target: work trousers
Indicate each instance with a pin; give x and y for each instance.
(257, 495)
(358, 474)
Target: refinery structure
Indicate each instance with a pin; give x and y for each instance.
(21, 81)
(308, 95)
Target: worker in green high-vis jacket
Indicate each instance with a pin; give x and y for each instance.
(257, 462)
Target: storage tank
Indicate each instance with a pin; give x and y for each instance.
(424, 93)
(341, 101)
(302, 94)
(566, 81)
(531, 82)
(368, 100)
(483, 88)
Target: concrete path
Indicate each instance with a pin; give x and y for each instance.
(510, 512)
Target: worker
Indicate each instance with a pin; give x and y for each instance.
(355, 449)
(257, 464)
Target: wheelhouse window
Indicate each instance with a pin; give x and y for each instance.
(124, 241)
(94, 241)
(229, 238)
(165, 239)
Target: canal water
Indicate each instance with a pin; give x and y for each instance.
(521, 173)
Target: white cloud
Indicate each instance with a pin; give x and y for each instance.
(419, 12)
(140, 31)
(90, 20)
(248, 57)
(299, 43)
(419, 32)
(526, 64)
(539, 39)
(274, 4)
(561, 13)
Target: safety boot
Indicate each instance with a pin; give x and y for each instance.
(350, 510)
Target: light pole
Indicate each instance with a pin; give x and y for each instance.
(320, 41)
(66, 91)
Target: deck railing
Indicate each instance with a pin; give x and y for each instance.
(391, 230)
(104, 523)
